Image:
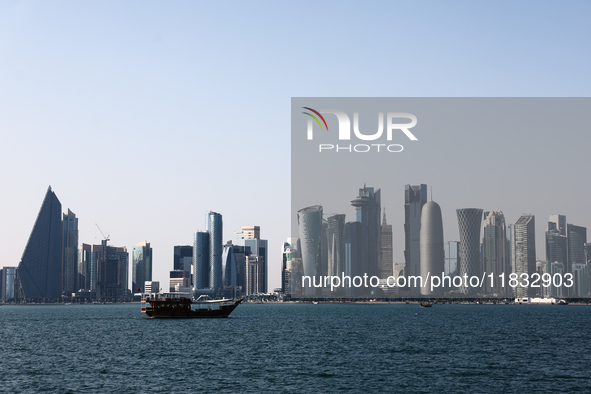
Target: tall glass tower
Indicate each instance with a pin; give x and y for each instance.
(70, 254)
(494, 251)
(469, 221)
(216, 249)
(201, 260)
(414, 199)
(142, 266)
(40, 269)
(310, 230)
(368, 210)
(525, 252)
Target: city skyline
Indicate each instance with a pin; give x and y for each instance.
(154, 111)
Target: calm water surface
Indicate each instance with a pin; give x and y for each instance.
(298, 348)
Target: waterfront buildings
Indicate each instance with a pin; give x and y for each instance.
(387, 263)
(258, 247)
(7, 284)
(525, 253)
(431, 247)
(152, 287)
(70, 254)
(229, 266)
(469, 221)
(214, 227)
(494, 251)
(368, 212)
(142, 266)
(452, 257)
(414, 199)
(179, 281)
(183, 259)
(335, 245)
(85, 268)
(292, 270)
(575, 248)
(310, 230)
(39, 273)
(201, 260)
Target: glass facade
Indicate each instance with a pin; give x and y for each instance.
(141, 266)
(525, 252)
(40, 269)
(368, 212)
(201, 260)
(469, 221)
(70, 254)
(414, 199)
(216, 248)
(452, 257)
(494, 250)
(310, 230)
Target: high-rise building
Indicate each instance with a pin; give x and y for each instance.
(7, 283)
(368, 211)
(292, 270)
(70, 254)
(414, 199)
(555, 247)
(152, 287)
(452, 257)
(494, 251)
(353, 266)
(84, 267)
(258, 246)
(525, 253)
(387, 253)
(112, 264)
(142, 266)
(229, 266)
(254, 268)
(180, 281)
(469, 221)
(557, 222)
(581, 280)
(183, 257)
(575, 247)
(557, 269)
(310, 230)
(39, 273)
(201, 260)
(335, 233)
(214, 227)
(431, 247)
(251, 232)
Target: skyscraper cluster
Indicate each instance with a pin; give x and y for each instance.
(334, 247)
(54, 266)
(328, 245)
(227, 269)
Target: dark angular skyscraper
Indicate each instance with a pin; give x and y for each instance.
(40, 268)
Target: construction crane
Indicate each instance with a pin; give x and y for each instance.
(103, 234)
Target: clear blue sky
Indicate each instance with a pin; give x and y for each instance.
(143, 115)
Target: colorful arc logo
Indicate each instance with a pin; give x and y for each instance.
(315, 118)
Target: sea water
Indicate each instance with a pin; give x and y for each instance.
(298, 348)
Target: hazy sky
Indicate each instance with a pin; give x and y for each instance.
(144, 115)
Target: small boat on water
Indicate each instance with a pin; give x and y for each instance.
(426, 304)
(180, 305)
